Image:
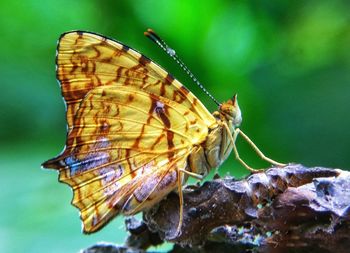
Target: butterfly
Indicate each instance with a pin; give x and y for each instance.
(134, 132)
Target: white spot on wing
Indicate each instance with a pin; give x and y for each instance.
(159, 105)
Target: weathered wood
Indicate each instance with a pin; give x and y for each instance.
(291, 209)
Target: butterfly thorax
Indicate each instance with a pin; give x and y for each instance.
(218, 145)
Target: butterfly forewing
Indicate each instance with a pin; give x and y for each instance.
(131, 127)
(87, 60)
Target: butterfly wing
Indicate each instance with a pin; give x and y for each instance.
(130, 128)
(87, 60)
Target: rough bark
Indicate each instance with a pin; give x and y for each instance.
(291, 209)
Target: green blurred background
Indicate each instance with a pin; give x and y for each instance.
(289, 61)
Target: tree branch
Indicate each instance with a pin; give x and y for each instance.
(281, 209)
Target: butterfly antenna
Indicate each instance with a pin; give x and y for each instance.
(171, 52)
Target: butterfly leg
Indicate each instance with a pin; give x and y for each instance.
(195, 175)
(233, 139)
(238, 158)
(257, 150)
(179, 185)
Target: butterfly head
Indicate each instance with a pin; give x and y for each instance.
(230, 111)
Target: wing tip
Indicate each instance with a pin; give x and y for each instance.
(49, 164)
(54, 163)
(78, 32)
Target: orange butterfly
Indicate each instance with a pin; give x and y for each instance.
(134, 132)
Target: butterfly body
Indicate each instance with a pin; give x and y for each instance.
(132, 129)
